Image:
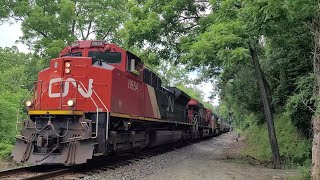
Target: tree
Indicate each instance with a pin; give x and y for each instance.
(18, 72)
(48, 26)
(267, 106)
(315, 172)
(237, 41)
(239, 30)
(231, 40)
(158, 25)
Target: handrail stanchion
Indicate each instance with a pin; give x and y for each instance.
(40, 95)
(60, 106)
(108, 115)
(97, 118)
(76, 91)
(18, 108)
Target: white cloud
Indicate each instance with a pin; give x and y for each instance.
(9, 34)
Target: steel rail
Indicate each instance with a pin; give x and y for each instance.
(15, 171)
(50, 175)
(9, 174)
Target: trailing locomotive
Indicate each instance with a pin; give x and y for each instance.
(97, 99)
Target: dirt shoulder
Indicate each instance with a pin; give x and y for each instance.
(4, 165)
(216, 159)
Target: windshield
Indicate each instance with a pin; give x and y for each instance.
(72, 54)
(107, 57)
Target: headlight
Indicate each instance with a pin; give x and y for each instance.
(67, 64)
(71, 103)
(29, 103)
(67, 70)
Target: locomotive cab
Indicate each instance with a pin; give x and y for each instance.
(107, 53)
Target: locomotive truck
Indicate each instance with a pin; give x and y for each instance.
(96, 99)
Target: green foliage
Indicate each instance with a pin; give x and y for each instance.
(304, 173)
(218, 43)
(240, 90)
(159, 22)
(4, 8)
(18, 71)
(171, 74)
(48, 26)
(5, 150)
(218, 46)
(294, 148)
(300, 105)
(156, 26)
(192, 92)
(222, 110)
(195, 93)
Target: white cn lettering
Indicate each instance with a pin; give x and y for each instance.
(65, 92)
(170, 104)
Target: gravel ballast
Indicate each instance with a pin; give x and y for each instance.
(203, 160)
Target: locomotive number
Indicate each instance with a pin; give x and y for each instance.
(133, 85)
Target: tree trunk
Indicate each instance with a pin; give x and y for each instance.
(266, 107)
(315, 171)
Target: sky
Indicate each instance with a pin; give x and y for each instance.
(10, 33)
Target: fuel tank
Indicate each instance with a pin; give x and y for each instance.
(158, 138)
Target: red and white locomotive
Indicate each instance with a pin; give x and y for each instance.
(96, 99)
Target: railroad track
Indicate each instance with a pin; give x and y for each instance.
(34, 172)
(41, 172)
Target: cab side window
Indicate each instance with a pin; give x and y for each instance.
(134, 65)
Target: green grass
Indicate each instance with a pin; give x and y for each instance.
(5, 150)
(295, 150)
(304, 173)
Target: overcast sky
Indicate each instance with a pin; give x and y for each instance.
(10, 33)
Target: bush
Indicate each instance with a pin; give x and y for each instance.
(294, 148)
(5, 150)
(304, 173)
(18, 72)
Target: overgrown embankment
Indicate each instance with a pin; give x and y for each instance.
(295, 148)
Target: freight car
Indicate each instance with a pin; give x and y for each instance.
(96, 99)
(220, 125)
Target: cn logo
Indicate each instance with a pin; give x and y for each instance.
(170, 104)
(67, 82)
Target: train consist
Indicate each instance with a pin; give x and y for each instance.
(97, 99)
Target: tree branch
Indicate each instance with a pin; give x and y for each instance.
(106, 34)
(38, 31)
(82, 35)
(88, 31)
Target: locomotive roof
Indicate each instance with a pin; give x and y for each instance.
(178, 92)
(134, 56)
(195, 102)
